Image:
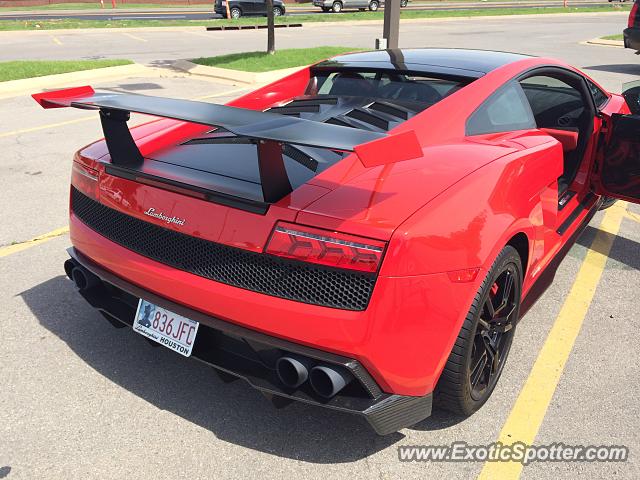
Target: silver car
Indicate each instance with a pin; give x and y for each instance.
(337, 6)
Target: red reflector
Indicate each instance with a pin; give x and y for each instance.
(463, 276)
(326, 248)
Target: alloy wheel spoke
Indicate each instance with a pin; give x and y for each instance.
(506, 289)
(478, 370)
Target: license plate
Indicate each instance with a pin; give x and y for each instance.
(165, 327)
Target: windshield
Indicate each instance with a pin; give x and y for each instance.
(401, 87)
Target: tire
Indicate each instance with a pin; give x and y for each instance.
(235, 12)
(608, 202)
(336, 7)
(467, 381)
(277, 11)
(404, 3)
(373, 5)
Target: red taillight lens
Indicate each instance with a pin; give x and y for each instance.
(326, 248)
(632, 15)
(85, 178)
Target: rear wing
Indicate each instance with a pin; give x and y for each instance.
(372, 148)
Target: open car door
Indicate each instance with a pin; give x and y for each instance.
(617, 171)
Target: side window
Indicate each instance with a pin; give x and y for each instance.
(555, 104)
(599, 96)
(505, 110)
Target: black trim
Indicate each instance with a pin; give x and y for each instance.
(252, 206)
(114, 297)
(583, 205)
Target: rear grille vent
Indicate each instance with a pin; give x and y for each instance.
(257, 272)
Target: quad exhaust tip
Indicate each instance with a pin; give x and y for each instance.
(293, 371)
(328, 381)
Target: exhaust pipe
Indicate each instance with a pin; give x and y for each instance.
(69, 265)
(328, 381)
(83, 278)
(293, 371)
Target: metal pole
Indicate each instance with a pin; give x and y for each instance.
(391, 29)
(271, 32)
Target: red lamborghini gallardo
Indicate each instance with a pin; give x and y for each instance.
(361, 235)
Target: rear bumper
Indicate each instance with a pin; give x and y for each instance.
(631, 38)
(238, 352)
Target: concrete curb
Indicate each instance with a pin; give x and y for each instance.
(608, 43)
(33, 85)
(234, 76)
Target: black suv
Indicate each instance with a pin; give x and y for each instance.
(632, 32)
(239, 8)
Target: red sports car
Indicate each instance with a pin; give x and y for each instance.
(361, 235)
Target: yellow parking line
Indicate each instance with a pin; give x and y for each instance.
(135, 37)
(56, 40)
(633, 216)
(530, 408)
(18, 247)
(46, 127)
(221, 94)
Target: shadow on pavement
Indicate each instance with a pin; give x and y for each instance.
(627, 68)
(233, 412)
(624, 250)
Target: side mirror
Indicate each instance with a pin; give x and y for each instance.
(631, 93)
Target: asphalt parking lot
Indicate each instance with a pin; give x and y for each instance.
(80, 399)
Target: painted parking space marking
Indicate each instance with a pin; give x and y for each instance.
(134, 37)
(46, 127)
(56, 40)
(19, 247)
(530, 408)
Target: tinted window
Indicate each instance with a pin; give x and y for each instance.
(397, 86)
(555, 104)
(505, 110)
(599, 96)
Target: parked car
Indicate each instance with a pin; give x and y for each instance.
(246, 8)
(631, 34)
(337, 6)
(362, 235)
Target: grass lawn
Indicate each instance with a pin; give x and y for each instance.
(613, 37)
(91, 6)
(263, 62)
(38, 68)
(71, 23)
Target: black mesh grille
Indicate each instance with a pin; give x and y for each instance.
(252, 271)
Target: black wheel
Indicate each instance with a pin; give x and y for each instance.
(277, 11)
(608, 202)
(404, 3)
(481, 349)
(337, 7)
(236, 12)
(373, 5)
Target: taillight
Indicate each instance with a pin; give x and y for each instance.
(632, 15)
(324, 247)
(84, 178)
